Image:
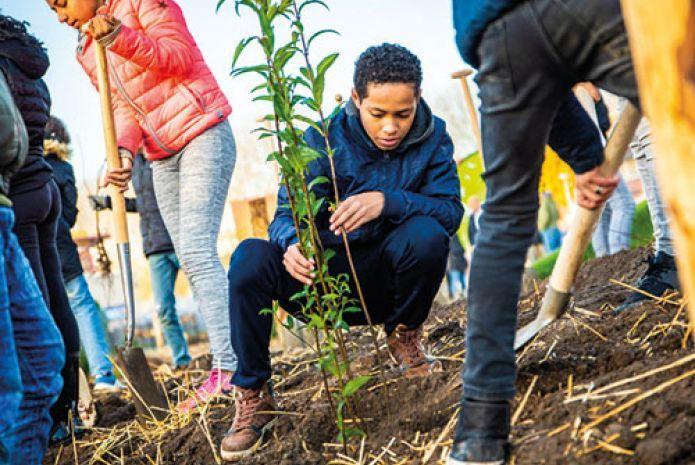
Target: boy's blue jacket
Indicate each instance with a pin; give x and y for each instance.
(417, 178)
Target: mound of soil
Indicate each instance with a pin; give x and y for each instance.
(563, 413)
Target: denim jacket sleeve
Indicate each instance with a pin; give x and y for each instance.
(439, 196)
(575, 137)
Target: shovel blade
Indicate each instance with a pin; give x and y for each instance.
(553, 306)
(150, 402)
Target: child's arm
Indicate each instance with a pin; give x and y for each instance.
(69, 194)
(166, 45)
(439, 196)
(575, 137)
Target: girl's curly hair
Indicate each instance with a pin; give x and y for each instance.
(11, 28)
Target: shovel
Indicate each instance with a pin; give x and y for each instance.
(557, 295)
(150, 402)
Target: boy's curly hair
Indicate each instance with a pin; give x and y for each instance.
(11, 28)
(384, 64)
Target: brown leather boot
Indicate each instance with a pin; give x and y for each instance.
(252, 419)
(407, 351)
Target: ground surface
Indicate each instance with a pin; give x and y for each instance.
(573, 377)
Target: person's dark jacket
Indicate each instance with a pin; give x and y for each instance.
(155, 237)
(24, 66)
(419, 177)
(575, 138)
(13, 140)
(471, 18)
(64, 176)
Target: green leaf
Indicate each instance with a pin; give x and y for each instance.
(240, 48)
(219, 5)
(316, 181)
(326, 63)
(355, 385)
(260, 69)
(311, 2)
(308, 121)
(353, 310)
(320, 33)
(266, 311)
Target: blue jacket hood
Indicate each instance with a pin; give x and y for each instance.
(417, 178)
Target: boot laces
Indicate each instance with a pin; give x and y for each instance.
(247, 404)
(409, 341)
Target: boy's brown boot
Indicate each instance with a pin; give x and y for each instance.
(406, 349)
(254, 416)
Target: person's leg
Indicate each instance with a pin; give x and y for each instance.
(623, 212)
(10, 381)
(599, 240)
(163, 271)
(206, 167)
(92, 333)
(60, 306)
(30, 208)
(643, 151)
(415, 253)
(661, 274)
(41, 356)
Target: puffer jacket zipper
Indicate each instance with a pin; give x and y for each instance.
(130, 101)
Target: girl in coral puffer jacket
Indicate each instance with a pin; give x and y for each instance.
(167, 101)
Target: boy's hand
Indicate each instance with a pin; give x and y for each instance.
(102, 25)
(297, 266)
(356, 211)
(593, 189)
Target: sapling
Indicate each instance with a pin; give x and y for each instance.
(327, 299)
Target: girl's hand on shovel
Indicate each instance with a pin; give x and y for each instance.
(120, 177)
(103, 27)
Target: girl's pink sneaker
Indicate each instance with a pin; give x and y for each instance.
(218, 383)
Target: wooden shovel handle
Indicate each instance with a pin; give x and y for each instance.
(584, 220)
(113, 160)
(470, 106)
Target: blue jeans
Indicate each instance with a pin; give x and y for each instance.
(32, 356)
(456, 282)
(614, 229)
(399, 276)
(644, 156)
(92, 334)
(530, 59)
(164, 267)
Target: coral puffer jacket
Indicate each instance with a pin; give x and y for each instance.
(164, 94)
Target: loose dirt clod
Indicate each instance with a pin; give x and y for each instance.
(581, 378)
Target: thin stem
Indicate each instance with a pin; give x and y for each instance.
(346, 244)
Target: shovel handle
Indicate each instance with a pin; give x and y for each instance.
(584, 220)
(113, 161)
(470, 106)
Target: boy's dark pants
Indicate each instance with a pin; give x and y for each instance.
(530, 58)
(400, 277)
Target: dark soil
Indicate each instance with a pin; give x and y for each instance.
(659, 430)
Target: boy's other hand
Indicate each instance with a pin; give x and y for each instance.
(119, 177)
(102, 25)
(593, 188)
(357, 210)
(298, 266)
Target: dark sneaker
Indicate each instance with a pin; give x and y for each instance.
(661, 276)
(406, 349)
(62, 434)
(254, 416)
(482, 434)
